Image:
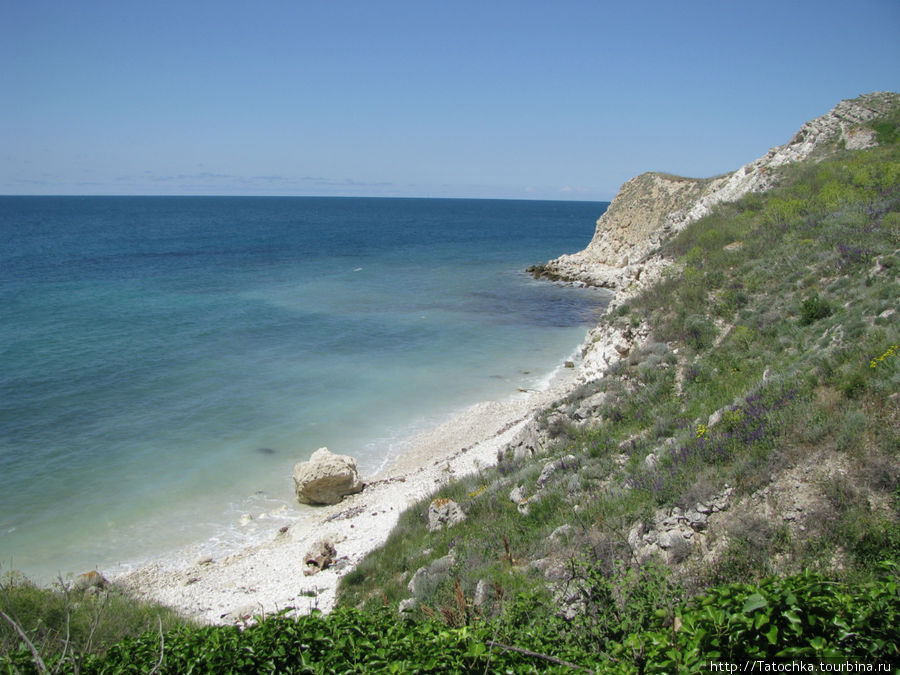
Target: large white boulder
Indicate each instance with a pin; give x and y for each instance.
(326, 478)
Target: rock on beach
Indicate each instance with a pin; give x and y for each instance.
(326, 478)
(319, 557)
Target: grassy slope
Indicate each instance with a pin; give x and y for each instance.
(799, 285)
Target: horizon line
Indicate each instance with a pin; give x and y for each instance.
(216, 196)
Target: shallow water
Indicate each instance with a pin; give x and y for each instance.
(164, 362)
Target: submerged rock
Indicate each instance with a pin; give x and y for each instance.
(326, 478)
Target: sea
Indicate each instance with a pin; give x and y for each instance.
(165, 361)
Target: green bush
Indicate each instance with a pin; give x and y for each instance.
(635, 624)
(63, 619)
(887, 131)
(699, 332)
(802, 617)
(812, 309)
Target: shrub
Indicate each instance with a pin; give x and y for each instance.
(812, 309)
(886, 131)
(731, 300)
(64, 620)
(804, 616)
(699, 332)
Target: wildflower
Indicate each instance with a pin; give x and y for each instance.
(702, 431)
(890, 352)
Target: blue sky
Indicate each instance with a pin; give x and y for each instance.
(524, 99)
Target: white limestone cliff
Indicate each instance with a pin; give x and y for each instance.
(653, 207)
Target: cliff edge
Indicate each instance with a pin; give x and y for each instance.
(653, 207)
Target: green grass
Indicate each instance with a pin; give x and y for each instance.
(64, 620)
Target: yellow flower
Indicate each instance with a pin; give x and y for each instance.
(890, 352)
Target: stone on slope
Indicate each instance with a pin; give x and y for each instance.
(444, 513)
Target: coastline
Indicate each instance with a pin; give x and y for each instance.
(665, 463)
(267, 578)
(263, 579)
(622, 256)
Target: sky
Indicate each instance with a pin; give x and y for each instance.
(520, 99)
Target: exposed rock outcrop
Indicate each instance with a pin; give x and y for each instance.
(605, 344)
(444, 513)
(484, 593)
(674, 534)
(652, 207)
(550, 468)
(430, 575)
(326, 478)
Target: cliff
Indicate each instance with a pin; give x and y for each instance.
(653, 207)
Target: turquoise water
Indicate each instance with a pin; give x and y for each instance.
(164, 362)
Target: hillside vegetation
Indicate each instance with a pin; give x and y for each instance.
(729, 490)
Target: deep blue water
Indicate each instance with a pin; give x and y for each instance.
(165, 361)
